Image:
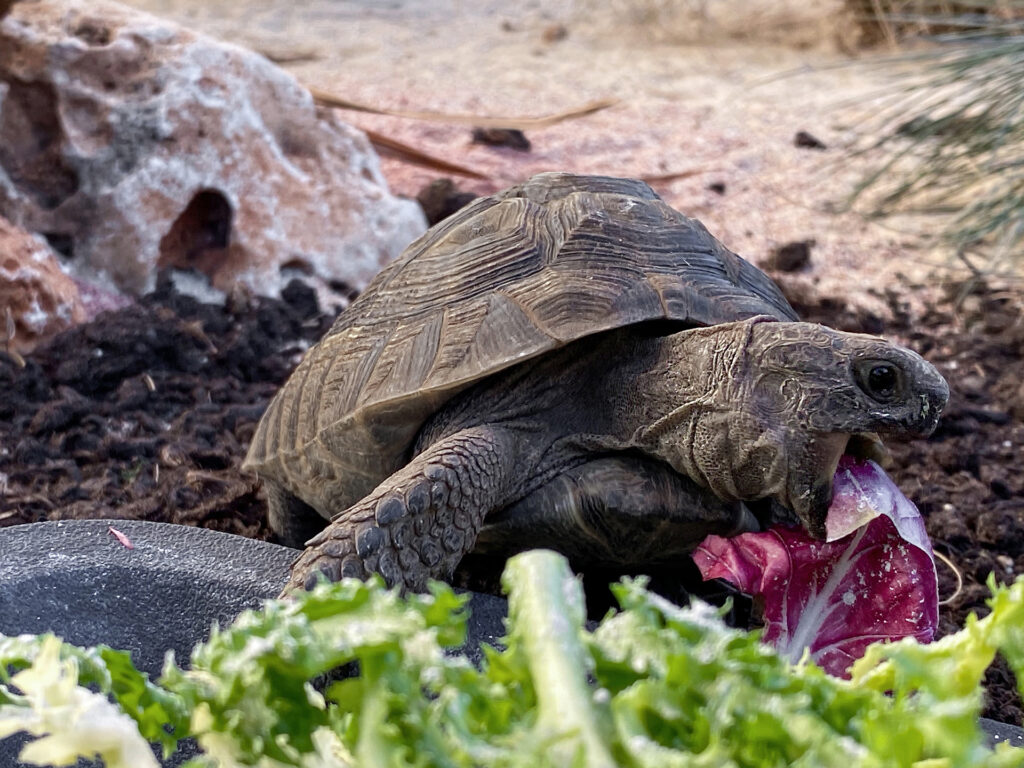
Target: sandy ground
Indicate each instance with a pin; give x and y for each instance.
(701, 88)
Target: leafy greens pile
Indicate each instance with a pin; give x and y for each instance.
(654, 685)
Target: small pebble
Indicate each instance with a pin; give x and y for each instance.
(502, 137)
(973, 385)
(805, 140)
(553, 33)
(791, 256)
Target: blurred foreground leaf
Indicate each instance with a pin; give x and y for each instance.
(653, 685)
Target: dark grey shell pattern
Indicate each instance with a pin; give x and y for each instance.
(507, 278)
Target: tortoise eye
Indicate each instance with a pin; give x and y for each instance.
(880, 380)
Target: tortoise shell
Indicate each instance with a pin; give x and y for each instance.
(507, 278)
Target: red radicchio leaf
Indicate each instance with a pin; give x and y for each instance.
(835, 598)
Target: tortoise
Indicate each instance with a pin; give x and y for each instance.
(573, 364)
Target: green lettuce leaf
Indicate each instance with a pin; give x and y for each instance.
(68, 719)
(160, 715)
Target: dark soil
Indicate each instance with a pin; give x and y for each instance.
(146, 413)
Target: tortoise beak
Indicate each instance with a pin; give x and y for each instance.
(927, 396)
(868, 446)
(808, 492)
(932, 401)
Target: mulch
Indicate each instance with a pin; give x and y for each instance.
(146, 412)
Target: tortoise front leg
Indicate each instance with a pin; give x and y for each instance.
(418, 523)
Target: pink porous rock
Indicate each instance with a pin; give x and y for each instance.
(98, 298)
(35, 294)
(139, 145)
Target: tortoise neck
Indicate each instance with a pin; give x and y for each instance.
(689, 393)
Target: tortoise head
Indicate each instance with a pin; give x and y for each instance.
(764, 410)
(816, 393)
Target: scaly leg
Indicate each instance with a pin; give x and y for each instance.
(419, 522)
(291, 519)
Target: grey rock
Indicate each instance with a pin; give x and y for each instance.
(139, 145)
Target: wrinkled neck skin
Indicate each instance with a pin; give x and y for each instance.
(713, 418)
(695, 415)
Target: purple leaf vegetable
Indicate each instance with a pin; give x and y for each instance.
(873, 580)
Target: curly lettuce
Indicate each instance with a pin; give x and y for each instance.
(652, 685)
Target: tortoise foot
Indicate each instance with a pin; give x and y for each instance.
(350, 548)
(417, 524)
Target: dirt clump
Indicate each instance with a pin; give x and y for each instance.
(791, 257)
(441, 198)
